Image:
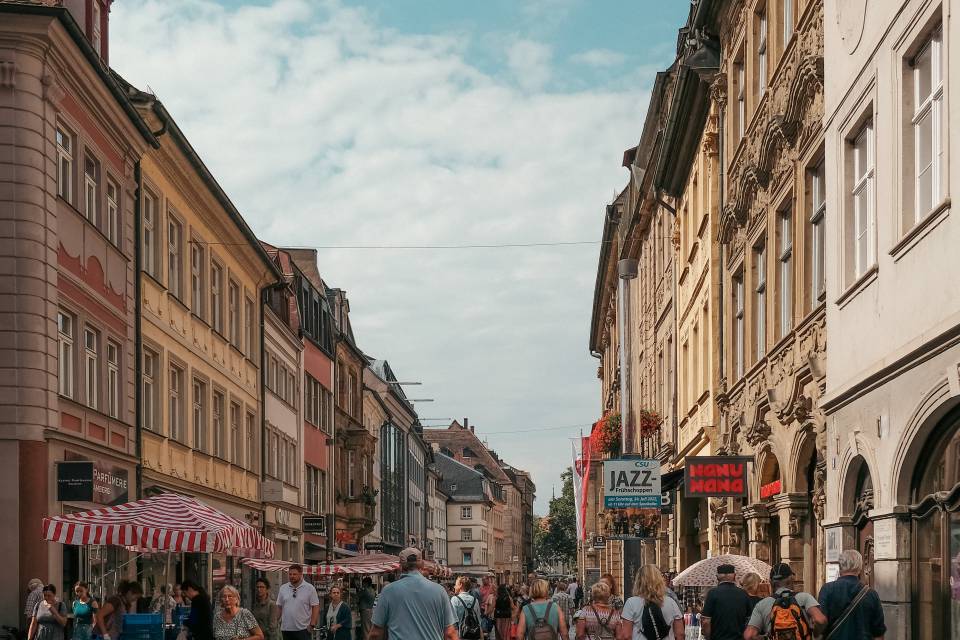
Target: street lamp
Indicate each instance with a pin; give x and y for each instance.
(627, 270)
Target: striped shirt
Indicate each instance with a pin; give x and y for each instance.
(601, 622)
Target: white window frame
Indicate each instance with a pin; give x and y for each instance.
(785, 269)
(466, 534)
(787, 8)
(249, 319)
(175, 256)
(760, 299)
(200, 439)
(197, 279)
(466, 513)
(739, 325)
(233, 312)
(219, 432)
(216, 296)
(741, 74)
(91, 367)
(96, 37)
(149, 232)
(64, 164)
(236, 442)
(175, 393)
(250, 440)
(762, 54)
(818, 233)
(151, 362)
(113, 212)
(929, 106)
(91, 190)
(113, 379)
(65, 334)
(864, 222)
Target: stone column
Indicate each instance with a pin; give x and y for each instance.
(732, 530)
(756, 519)
(792, 509)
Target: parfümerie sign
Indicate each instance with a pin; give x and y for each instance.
(630, 483)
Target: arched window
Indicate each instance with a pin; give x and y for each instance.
(936, 534)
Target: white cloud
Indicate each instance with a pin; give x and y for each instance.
(598, 58)
(326, 128)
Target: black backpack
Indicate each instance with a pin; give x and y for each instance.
(470, 625)
(652, 624)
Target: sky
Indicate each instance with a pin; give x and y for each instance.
(385, 123)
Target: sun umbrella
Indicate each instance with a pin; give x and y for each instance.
(704, 572)
(166, 522)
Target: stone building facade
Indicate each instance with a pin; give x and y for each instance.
(70, 149)
(893, 388)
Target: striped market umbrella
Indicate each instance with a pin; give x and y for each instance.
(704, 572)
(166, 522)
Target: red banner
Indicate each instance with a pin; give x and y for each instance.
(770, 489)
(715, 477)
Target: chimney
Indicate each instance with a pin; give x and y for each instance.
(466, 423)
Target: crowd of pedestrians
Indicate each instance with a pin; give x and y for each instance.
(413, 607)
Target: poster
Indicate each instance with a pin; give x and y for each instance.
(630, 483)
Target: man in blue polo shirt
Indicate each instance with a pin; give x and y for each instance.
(413, 608)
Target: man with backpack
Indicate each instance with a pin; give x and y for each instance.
(466, 609)
(786, 615)
(853, 608)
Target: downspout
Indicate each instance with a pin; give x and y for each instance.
(263, 395)
(138, 329)
(627, 270)
(722, 174)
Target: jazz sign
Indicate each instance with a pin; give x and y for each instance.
(631, 483)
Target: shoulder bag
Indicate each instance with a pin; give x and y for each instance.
(857, 599)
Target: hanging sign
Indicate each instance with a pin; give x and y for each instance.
(715, 477)
(599, 542)
(770, 489)
(631, 483)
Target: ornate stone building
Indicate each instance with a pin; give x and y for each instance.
(769, 93)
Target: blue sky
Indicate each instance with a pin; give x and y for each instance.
(399, 122)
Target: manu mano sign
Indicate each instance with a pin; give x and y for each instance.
(631, 483)
(715, 477)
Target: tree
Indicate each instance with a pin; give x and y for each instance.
(558, 539)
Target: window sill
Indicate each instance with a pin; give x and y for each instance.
(153, 279)
(176, 300)
(106, 238)
(920, 230)
(862, 283)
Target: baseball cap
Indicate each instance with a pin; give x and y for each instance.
(410, 554)
(726, 569)
(780, 571)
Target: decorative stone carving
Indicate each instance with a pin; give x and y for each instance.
(757, 432)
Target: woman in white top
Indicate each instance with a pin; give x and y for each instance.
(649, 614)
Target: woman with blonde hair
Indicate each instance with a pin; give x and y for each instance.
(752, 583)
(650, 614)
(541, 608)
(233, 621)
(615, 600)
(598, 620)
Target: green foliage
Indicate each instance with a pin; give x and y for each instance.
(558, 539)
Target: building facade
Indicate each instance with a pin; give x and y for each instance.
(469, 517)
(71, 148)
(202, 273)
(892, 388)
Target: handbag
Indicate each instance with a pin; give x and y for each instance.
(857, 599)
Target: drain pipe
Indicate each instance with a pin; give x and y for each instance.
(137, 327)
(627, 270)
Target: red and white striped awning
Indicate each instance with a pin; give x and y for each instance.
(166, 522)
(328, 569)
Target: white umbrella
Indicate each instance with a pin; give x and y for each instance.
(704, 573)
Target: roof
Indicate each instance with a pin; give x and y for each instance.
(459, 482)
(456, 438)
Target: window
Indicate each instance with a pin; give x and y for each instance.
(200, 416)
(818, 236)
(151, 392)
(236, 452)
(466, 513)
(466, 534)
(787, 8)
(113, 379)
(314, 490)
(174, 256)
(760, 300)
(927, 121)
(150, 234)
(65, 336)
(250, 328)
(351, 472)
(95, 37)
(740, 127)
(864, 223)
(316, 404)
(64, 165)
(761, 53)
(467, 558)
(91, 360)
(175, 392)
(249, 444)
(197, 269)
(91, 181)
(785, 271)
(705, 349)
(738, 325)
(216, 296)
(234, 313)
(113, 213)
(219, 433)
(291, 466)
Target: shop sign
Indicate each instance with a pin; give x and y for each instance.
(631, 483)
(86, 481)
(715, 477)
(599, 542)
(770, 489)
(373, 546)
(315, 524)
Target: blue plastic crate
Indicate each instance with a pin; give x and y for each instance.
(140, 620)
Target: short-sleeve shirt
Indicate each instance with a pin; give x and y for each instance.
(565, 601)
(296, 604)
(760, 618)
(414, 609)
(866, 621)
(548, 610)
(728, 607)
(633, 611)
(239, 627)
(601, 622)
(459, 610)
